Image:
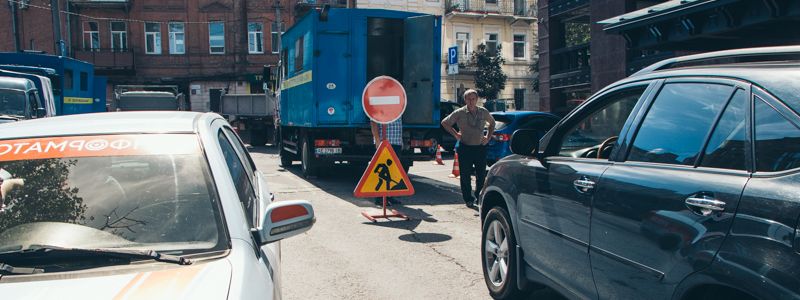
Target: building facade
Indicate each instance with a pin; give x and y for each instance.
(588, 44)
(508, 25)
(205, 47)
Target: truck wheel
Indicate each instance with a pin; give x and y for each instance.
(307, 157)
(258, 137)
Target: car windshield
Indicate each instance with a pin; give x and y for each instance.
(12, 102)
(116, 191)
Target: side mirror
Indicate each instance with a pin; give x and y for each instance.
(525, 142)
(40, 112)
(285, 219)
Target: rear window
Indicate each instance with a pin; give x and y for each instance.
(502, 121)
(115, 191)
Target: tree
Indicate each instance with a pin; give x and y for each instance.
(489, 78)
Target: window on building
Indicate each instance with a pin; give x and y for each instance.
(519, 46)
(671, 136)
(519, 98)
(91, 36)
(576, 34)
(152, 38)
(84, 81)
(119, 36)
(491, 2)
(177, 38)
(255, 38)
(491, 43)
(274, 35)
(216, 38)
(462, 41)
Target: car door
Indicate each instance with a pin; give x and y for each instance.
(245, 179)
(662, 210)
(554, 207)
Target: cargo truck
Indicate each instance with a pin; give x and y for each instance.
(148, 98)
(253, 114)
(327, 59)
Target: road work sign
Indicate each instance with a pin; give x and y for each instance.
(384, 99)
(385, 176)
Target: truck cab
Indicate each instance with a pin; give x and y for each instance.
(19, 100)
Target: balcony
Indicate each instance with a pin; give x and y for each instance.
(518, 9)
(105, 59)
(558, 7)
(570, 66)
(125, 4)
(302, 7)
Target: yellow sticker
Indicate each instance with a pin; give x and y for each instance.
(304, 77)
(78, 100)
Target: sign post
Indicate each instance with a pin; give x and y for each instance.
(384, 101)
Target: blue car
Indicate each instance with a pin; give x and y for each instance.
(508, 122)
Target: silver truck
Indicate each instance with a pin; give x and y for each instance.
(251, 113)
(148, 98)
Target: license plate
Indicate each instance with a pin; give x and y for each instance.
(328, 151)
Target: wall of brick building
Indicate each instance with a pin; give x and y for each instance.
(608, 59)
(35, 26)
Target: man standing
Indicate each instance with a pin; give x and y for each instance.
(471, 120)
(394, 134)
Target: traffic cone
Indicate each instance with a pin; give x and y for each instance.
(439, 156)
(456, 171)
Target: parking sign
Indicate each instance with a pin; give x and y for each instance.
(452, 55)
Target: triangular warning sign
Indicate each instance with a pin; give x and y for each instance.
(384, 176)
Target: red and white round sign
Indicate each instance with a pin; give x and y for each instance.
(384, 99)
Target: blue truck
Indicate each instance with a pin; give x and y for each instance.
(327, 59)
(76, 89)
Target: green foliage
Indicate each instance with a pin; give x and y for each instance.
(45, 197)
(577, 34)
(489, 78)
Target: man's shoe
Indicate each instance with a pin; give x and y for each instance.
(470, 205)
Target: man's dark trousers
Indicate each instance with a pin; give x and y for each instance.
(471, 159)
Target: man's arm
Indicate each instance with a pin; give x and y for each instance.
(376, 138)
(447, 124)
(490, 132)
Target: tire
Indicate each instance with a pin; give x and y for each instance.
(258, 138)
(497, 231)
(308, 165)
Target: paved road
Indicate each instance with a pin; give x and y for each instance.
(436, 255)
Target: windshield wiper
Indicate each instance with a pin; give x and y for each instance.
(126, 253)
(9, 269)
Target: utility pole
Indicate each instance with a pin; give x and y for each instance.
(59, 46)
(13, 6)
(278, 7)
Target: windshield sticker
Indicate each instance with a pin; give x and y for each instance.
(98, 145)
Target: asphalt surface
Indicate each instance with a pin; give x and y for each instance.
(435, 255)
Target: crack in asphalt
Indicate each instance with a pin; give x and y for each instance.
(440, 253)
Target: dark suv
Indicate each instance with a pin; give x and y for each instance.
(679, 182)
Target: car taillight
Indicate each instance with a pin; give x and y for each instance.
(327, 143)
(502, 137)
(421, 143)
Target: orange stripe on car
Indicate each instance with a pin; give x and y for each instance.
(166, 284)
(98, 145)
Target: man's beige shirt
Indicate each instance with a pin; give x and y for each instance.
(470, 125)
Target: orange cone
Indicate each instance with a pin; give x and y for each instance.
(439, 156)
(456, 171)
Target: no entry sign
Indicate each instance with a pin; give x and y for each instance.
(384, 99)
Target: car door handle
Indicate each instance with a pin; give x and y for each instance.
(704, 205)
(583, 185)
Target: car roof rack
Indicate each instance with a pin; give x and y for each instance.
(762, 52)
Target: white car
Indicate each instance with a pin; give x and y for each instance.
(138, 205)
